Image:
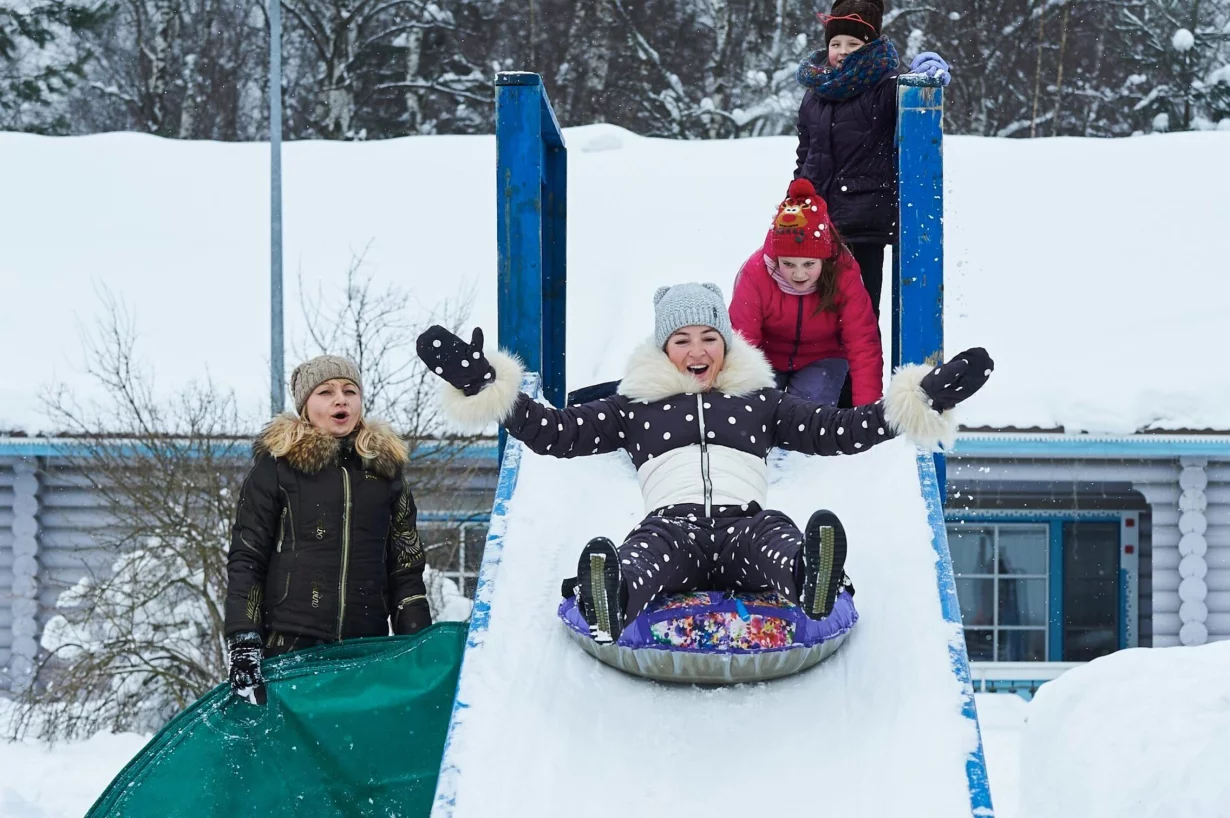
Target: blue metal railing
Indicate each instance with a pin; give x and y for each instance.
(918, 259)
(531, 220)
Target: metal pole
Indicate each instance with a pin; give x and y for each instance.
(277, 365)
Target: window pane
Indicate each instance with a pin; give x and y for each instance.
(1022, 646)
(980, 645)
(1022, 602)
(977, 598)
(1091, 590)
(1091, 551)
(1086, 644)
(971, 549)
(1023, 549)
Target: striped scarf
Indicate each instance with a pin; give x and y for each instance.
(858, 72)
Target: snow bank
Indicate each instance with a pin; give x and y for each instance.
(1142, 733)
(1092, 269)
(38, 781)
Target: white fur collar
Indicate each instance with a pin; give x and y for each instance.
(652, 377)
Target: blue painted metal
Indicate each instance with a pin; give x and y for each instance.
(68, 447)
(480, 618)
(918, 257)
(918, 309)
(554, 276)
(1059, 445)
(531, 169)
(1018, 516)
(1054, 587)
(946, 583)
(455, 516)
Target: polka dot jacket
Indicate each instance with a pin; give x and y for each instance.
(698, 447)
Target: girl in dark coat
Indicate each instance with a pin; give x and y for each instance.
(324, 546)
(847, 124)
(697, 412)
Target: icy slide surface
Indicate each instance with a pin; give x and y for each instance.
(544, 730)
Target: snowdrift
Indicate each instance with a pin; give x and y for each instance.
(1115, 287)
(1142, 733)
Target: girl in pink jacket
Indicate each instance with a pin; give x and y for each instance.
(801, 300)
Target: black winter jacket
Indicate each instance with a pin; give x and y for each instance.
(847, 150)
(324, 542)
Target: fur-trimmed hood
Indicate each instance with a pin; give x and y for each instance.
(310, 450)
(652, 377)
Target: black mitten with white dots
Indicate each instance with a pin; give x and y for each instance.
(462, 365)
(956, 380)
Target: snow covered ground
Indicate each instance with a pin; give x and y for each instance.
(38, 781)
(1082, 755)
(1092, 269)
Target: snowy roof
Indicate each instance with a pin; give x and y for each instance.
(1088, 268)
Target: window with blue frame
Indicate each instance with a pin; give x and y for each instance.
(1002, 582)
(1043, 589)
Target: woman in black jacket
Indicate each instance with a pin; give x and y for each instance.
(324, 546)
(847, 126)
(697, 413)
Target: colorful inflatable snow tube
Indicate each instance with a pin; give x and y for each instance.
(709, 637)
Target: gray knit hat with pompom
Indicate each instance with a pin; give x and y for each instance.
(311, 374)
(685, 305)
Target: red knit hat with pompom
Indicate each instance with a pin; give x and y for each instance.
(801, 227)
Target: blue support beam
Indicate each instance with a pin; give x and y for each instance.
(532, 202)
(918, 259)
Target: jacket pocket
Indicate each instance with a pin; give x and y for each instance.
(282, 589)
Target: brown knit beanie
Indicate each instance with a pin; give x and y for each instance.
(311, 374)
(856, 18)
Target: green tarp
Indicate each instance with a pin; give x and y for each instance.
(352, 729)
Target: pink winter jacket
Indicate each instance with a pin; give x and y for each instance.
(792, 334)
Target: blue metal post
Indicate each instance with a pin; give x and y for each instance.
(918, 263)
(519, 169)
(531, 221)
(554, 273)
(277, 365)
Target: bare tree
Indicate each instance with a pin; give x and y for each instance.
(138, 642)
(371, 327)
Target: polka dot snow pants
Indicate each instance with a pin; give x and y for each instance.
(678, 549)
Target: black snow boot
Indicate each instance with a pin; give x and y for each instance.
(824, 562)
(602, 591)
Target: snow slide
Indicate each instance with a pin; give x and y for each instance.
(885, 727)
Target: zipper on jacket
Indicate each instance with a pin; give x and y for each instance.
(798, 336)
(341, 596)
(704, 455)
(281, 531)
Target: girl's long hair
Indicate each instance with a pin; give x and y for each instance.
(826, 285)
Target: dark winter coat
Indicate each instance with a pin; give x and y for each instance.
(847, 151)
(688, 446)
(324, 543)
(793, 332)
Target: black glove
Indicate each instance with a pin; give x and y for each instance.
(462, 365)
(246, 678)
(956, 380)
